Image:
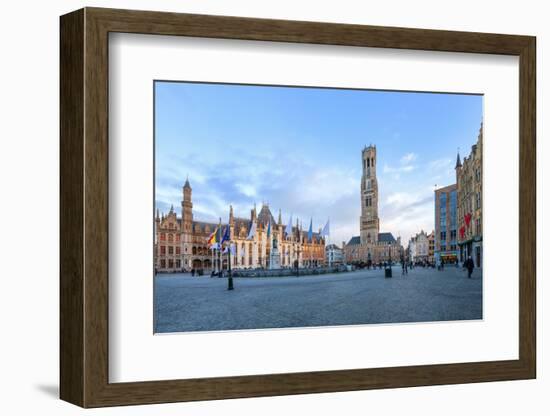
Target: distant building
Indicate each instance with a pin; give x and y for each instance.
(446, 246)
(371, 246)
(334, 255)
(419, 247)
(469, 179)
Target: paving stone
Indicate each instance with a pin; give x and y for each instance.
(185, 303)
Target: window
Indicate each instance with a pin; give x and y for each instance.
(162, 250)
(443, 235)
(178, 250)
(163, 263)
(170, 250)
(170, 238)
(478, 226)
(453, 235)
(478, 200)
(178, 264)
(478, 175)
(162, 236)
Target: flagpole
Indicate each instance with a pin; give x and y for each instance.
(330, 258)
(219, 265)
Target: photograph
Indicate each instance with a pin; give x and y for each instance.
(296, 207)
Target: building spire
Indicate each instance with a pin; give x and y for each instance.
(280, 219)
(458, 163)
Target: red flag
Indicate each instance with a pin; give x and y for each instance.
(467, 219)
(462, 231)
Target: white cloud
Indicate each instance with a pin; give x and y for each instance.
(408, 158)
(398, 169)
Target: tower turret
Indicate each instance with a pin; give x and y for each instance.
(187, 208)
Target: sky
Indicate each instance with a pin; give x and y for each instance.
(299, 150)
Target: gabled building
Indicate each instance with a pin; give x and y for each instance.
(469, 180)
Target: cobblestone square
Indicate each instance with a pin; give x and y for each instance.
(184, 303)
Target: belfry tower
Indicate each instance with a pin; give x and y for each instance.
(369, 222)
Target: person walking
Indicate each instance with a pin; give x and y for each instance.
(470, 266)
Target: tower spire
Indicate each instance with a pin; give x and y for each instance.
(458, 163)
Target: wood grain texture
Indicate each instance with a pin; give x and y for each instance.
(84, 195)
(71, 208)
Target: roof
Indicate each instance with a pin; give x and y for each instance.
(265, 216)
(199, 226)
(386, 237)
(458, 163)
(333, 247)
(354, 241)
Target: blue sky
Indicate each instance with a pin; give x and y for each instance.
(299, 149)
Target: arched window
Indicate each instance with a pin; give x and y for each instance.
(194, 251)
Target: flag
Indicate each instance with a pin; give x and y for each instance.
(269, 229)
(326, 229)
(212, 242)
(252, 232)
(310, 231)
(226, 235)
(288, 229)
(467, 219)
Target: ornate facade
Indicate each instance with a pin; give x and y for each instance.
(371, 246)
(419, 247)
(469, 181)
(181, 243)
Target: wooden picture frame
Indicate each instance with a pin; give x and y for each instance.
(84, 207)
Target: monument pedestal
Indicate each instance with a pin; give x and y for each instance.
(274, 256)
(274, 259)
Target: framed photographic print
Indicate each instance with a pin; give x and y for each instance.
(255, 207)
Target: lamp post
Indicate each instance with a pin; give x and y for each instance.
(388, 271)
(230, 276)
(298, 251)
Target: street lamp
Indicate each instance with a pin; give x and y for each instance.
(230, 277)
(388, 271)
(298, 261)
